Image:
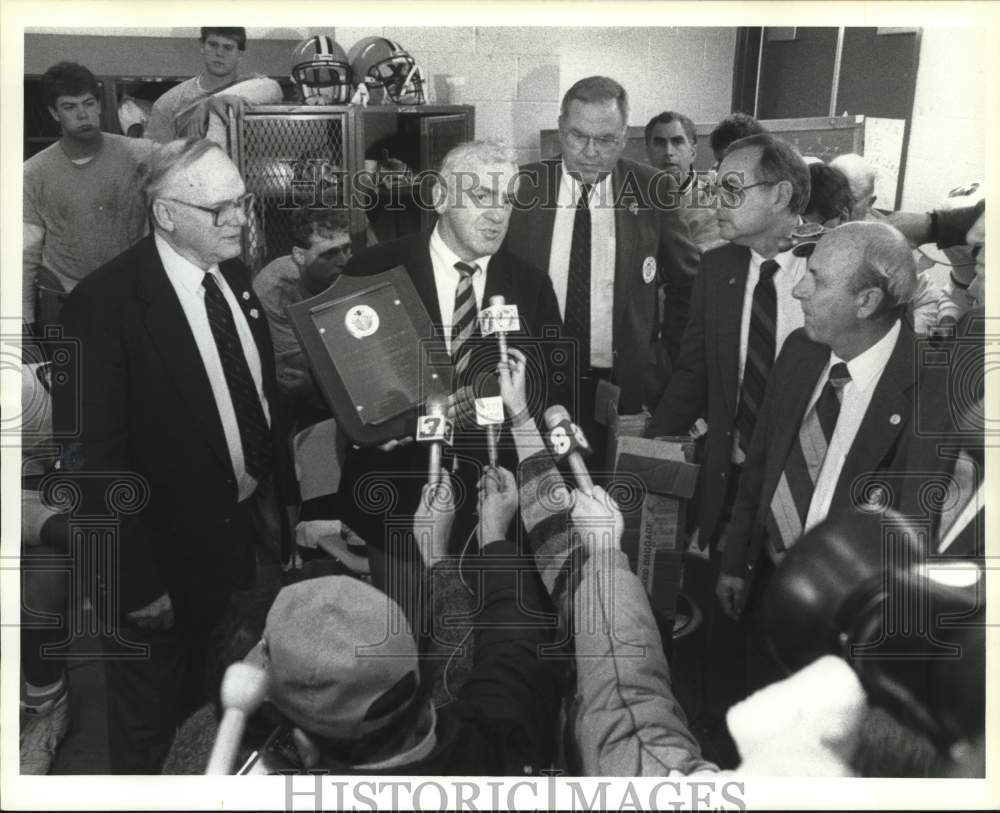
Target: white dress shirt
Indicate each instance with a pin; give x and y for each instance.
(446, 278)
(602, 261)
(866, 371)
(789, 314)
(186, 279)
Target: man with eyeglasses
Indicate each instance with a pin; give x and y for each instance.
(182, 112)
(321, 247)
(608, 232)
(763, 186)
(175, 387)
(742, 310)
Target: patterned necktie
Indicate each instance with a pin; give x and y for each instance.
(760, 351)
(464, 315)
(254, 435)
(790, 503)
(578, 285)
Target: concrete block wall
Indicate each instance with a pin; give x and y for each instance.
(516, 76)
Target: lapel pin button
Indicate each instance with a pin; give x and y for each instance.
(246, 294)
(894, 419)
(253, 313)
(732, 280)
(648, 269)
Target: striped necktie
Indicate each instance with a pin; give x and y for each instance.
(255, 437)
(760, 352)
(790, 503)
(464, 315)
(577, 320)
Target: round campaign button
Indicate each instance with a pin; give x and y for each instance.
(648, 269)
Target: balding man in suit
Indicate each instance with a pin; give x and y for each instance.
(839, 403)
(176, 385)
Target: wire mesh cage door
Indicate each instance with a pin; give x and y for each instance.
(288, 160)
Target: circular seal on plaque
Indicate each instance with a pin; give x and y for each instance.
(648, 269)
(361, 321)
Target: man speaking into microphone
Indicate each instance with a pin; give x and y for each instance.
(456, 269)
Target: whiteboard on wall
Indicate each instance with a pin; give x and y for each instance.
(884, 150)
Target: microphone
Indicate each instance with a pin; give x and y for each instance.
(435, 428)
(489, 413)
(499, 318)
(243, 690)
(569, 443)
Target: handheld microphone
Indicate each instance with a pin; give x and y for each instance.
(434, 428)
(489, 413)
(243, 689)
(499, 318)
(568, 443)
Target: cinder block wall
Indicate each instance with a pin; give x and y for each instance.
(514, 76)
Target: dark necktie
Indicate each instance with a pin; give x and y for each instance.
(760, 351)
(790, 503)
(464, 314)
(254, 435)
(578, 285)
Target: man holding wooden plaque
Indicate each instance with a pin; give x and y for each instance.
(456, 270)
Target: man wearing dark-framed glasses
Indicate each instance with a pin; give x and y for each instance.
(619, 256)
(175, 388)
(742, 310)
(225, 212)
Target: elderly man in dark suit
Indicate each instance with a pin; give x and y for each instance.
(456, 269)
(742, 310)
(176, 385)
(839, 404)
(620, 258)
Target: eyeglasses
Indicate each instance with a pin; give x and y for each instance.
(730, 187)
(580, 141)
(343, 251)
(224, 212)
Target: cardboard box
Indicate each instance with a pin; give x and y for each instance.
(653, 480)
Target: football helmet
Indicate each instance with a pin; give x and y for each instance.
(385, 65)
(321, 71)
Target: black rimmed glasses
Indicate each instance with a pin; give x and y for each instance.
(728, 186)
(223, 213)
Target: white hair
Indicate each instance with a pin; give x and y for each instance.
(860, 174)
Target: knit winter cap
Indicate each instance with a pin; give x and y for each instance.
(340, 657)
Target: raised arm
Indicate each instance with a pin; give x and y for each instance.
(628, 722)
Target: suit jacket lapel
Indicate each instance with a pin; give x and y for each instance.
(238, 277)
(889, 413)
(239, 283)
(626, 241)
(543, 194)
(421, 271)
(730, 285)
(171, 333)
